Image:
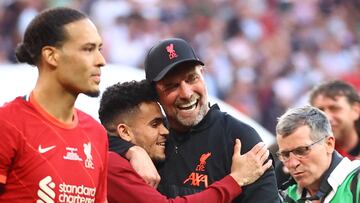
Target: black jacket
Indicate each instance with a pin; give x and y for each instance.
(199, 157)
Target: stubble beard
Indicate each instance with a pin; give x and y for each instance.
(190, 121)
(158, 158)
(94, 93)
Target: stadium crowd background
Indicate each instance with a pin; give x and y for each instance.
(261, 56)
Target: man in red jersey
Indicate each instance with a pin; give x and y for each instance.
(130, 111)
(51, 151)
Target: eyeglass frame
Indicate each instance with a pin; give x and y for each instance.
(298, 152)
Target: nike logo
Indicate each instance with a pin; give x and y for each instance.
(46, 149)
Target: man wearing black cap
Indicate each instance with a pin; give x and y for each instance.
(130, 111)
(199, 147)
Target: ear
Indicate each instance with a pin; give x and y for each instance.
(124, 132)
(202, 70)
(330, 144)
(50, 55)
(356, 110)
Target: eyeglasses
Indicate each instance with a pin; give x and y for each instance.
(299, 152)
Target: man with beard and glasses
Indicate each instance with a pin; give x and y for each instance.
(341, 104)
(130, 111)
(200, 144)
(306, 147)
(51, 151)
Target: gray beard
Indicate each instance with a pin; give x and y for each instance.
(193, 122)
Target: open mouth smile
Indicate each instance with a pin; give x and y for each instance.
(188, 106)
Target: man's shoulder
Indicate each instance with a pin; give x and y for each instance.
(343, 170)
(238, 126)
(346, 171)
(12, 106)
(84, 116)
(228, 118)
(86, 119)
(235, 128)
(117, 163)
(15, 111)
(93, 130)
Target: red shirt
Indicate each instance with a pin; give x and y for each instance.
(44, 159)
(344, 153)
(125, 185)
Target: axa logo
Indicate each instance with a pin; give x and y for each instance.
(46, 191)
(196, 178)
(170, 49)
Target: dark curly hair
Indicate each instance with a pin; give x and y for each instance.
(46, 29)
(122, 99)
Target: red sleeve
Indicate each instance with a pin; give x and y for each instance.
(125, 185)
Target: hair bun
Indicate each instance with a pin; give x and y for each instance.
(23, 55)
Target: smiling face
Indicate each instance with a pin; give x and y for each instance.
(183, 96)
(307, 170)
(340, 112)
(148, 130)
(79, 58)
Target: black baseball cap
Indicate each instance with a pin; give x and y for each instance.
(166, 55)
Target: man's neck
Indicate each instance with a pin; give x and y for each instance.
(179, 127)
(58, 105)
(321, 187)
(313, 189)
(349, 141)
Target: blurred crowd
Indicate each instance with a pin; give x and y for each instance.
(261, 56)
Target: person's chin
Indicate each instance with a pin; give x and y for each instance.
(303, 182)
(93, 93)
(158, 158)
(190, 120)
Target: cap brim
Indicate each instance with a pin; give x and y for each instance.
(173, 65)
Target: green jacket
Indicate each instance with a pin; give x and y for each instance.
(343, 180)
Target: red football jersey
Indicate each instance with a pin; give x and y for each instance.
(44, 160)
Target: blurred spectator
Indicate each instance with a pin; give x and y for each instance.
(8, 28)
(125, 42)
(353, 77)
(341, 104)
(261, 56)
